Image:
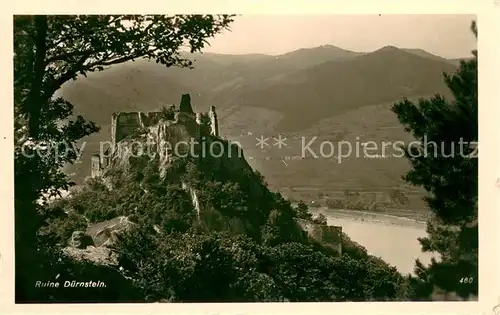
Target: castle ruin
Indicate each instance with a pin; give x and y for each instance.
(125, 124)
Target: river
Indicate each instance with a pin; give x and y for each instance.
(392, 238)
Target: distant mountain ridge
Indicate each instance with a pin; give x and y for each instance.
(334, 86)
(329, 51)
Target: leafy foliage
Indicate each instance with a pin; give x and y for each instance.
(52, 266)
(220, 267)
(226, 254)
(60, 226)
(448, 131)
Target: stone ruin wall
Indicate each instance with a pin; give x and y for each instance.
(123, 124)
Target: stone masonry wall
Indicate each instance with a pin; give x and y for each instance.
(124, 124)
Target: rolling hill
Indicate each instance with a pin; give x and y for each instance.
(324, 91)
(333, 87)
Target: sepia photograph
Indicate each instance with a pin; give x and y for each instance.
(246, 158)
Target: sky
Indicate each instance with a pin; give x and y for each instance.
(447, 36)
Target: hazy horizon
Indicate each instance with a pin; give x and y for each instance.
(448, 36)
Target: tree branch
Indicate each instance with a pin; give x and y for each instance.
(65, 57)
(34, 104)
(118, 60)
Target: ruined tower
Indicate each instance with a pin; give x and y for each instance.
(214, 124)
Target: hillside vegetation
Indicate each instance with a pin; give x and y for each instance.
(324, 91)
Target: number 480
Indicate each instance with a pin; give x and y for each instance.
(466, 280)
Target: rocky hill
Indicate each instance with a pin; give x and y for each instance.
(176, 147)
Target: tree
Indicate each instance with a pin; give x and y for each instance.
(51, 50)
(450, 176)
